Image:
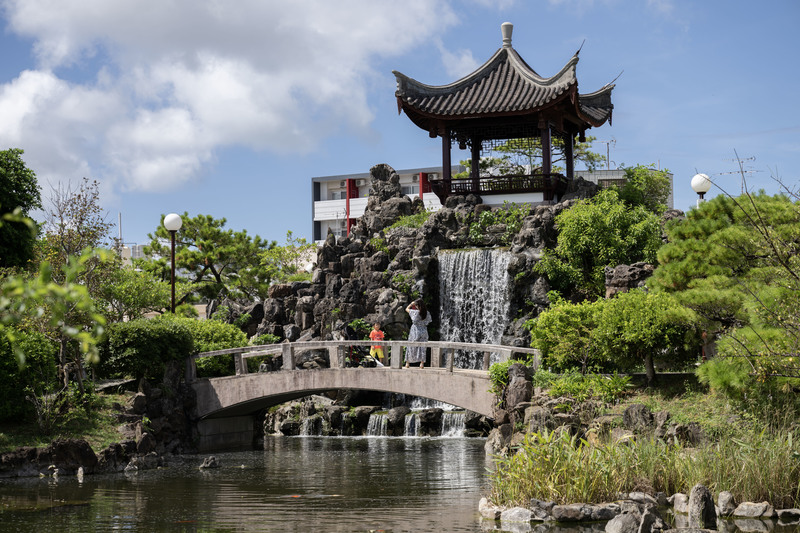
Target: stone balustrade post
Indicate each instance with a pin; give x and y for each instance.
(436, 357)
(451, 360)
(287, 351)
(240, 364)
(395, 355)
(487, 356)
(333, 357)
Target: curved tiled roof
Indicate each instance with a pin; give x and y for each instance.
(503, 86)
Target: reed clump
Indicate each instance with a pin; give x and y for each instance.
(754, 466)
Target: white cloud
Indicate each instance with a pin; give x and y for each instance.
(142, 92)
(458, 64)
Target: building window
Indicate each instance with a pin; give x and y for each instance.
(409, 189)
(338, 195)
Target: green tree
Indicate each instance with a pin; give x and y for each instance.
(130, 293)
(565, 334)
(217, 261)
(523, 156)
(594, 234)
(736, 262)
(19, 190)
(639, 327)
(64, 310)
(287, 262)
(646, 186)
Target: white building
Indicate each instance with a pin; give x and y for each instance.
(338, 201)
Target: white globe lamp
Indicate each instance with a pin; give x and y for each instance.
(701, 184)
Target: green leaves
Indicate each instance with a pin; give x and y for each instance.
(217, 261)
(594, 234)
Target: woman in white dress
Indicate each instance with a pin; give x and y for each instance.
(420, 318)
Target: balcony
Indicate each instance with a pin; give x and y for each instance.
(550, 185)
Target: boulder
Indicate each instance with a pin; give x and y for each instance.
(637, 417)
(754, 510)
(702, 513)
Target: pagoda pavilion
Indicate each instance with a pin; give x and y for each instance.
(505, 99)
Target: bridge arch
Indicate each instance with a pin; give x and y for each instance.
(246, 394)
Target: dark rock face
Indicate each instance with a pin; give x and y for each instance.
(374, 273)
(623, 278)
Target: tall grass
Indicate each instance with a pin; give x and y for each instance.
(557, 467)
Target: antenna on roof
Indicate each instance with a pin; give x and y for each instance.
(580, 47)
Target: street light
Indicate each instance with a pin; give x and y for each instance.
(701, 184)
(173, 223)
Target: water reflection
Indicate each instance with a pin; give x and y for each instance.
(295, 484)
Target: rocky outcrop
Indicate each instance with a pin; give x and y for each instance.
(375, 272)
(623, 278)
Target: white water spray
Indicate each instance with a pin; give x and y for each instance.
(474, 299)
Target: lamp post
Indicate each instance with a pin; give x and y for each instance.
(701, 184)
(173, 223)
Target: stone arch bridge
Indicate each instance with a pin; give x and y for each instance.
(226, 406)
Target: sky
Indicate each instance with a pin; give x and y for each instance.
(229, 109)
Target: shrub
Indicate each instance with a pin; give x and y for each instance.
(141, 348)
(37, 376)
(211, 335)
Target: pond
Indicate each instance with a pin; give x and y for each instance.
(296, 484)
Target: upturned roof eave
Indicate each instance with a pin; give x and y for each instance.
(407, 86)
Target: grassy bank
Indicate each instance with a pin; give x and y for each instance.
(755, 458)
(97, 423)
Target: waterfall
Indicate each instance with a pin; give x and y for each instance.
(377, 425)
(311, 426)
(453, 423)
(411, 425)
(474, 299)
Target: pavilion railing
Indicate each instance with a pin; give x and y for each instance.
(551, 185)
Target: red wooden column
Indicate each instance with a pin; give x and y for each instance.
(547, 155)
(476, 164)
(569, 155)
(447, 175)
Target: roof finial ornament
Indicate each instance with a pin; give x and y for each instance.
(506, 29)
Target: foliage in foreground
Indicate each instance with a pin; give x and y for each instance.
(616, 335)
(557, 467)
(600, 232)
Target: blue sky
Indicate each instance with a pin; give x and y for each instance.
(229, 109)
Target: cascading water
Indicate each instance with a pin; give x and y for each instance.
(377, 425)
(311, 426)
(411, 425)
(474, 299)
(453, 423)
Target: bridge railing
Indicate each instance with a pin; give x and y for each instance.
(443, 353)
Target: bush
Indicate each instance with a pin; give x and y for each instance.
(141, 348)
(211, 335)
(37, 376)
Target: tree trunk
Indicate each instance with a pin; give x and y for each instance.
(649, 369)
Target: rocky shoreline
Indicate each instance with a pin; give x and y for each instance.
(638, 512)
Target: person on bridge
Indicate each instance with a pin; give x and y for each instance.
(376, 335)
(420, 318)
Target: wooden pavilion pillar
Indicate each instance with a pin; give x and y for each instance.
(476, 163)
(569, 155)
(446, 170)
(547, 156)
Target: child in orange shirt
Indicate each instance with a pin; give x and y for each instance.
(376, 335)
